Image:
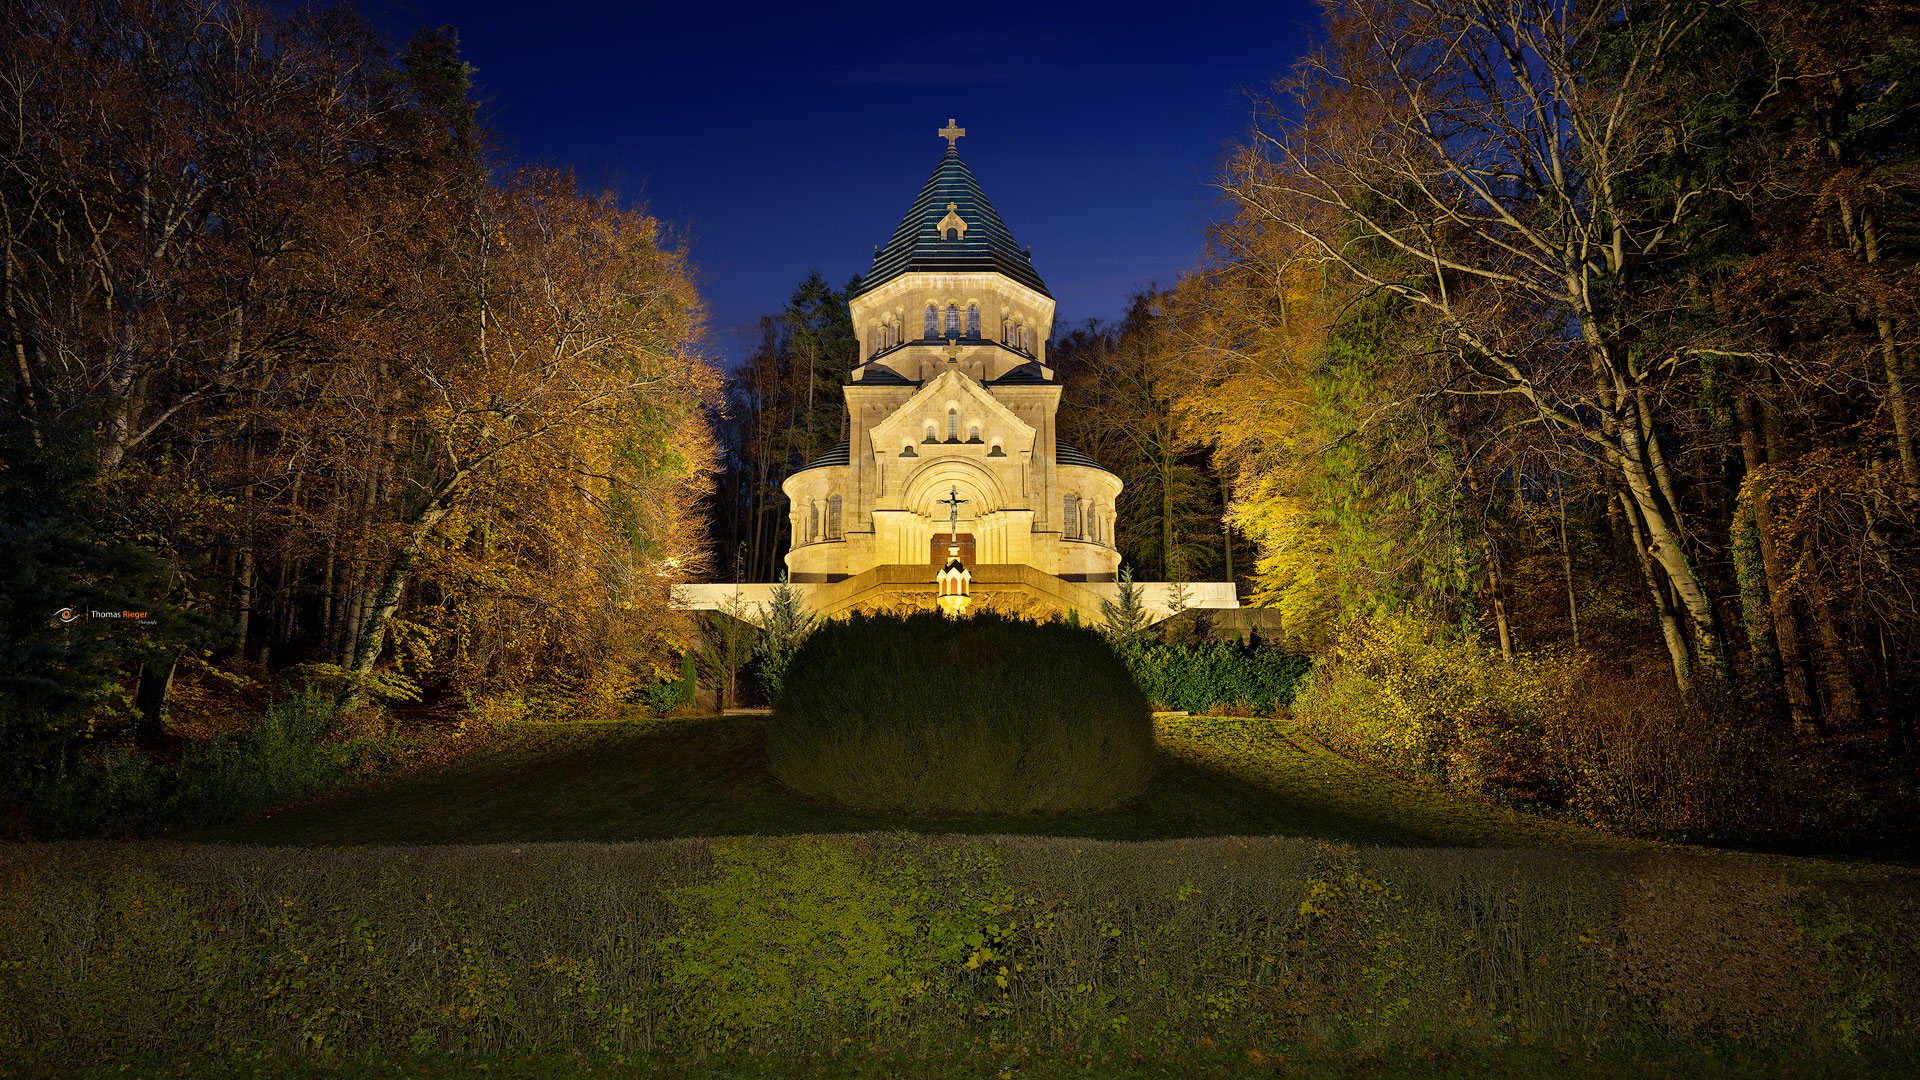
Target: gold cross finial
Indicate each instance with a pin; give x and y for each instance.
(951, 134)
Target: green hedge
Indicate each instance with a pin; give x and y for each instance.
(814, 945)
(987, 714)
(1200, 677)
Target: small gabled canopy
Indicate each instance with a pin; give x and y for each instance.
(983, 245)
(881, 375)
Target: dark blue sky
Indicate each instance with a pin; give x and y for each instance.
(783, 139)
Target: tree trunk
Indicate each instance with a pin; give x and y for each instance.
(1496, 596)
(1566, 562)
(1786, 629)
(372, 636)
(150, 698)
(26, 349)
(326, 587)
(1843, 699)
(1166, 522)
(243, 597)
(1661, 541)
(1890, 355)
(1670, 628)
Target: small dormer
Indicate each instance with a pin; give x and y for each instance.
(953, 226)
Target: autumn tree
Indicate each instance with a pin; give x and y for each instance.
(1123, 386)
(1487, 166)
(548, 416)
(350, 400)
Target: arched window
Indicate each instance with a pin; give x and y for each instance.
(833, 518)
(973, 320)
(1020, 337)
(953, 320)
(953, 234)
(933, 324)
(1069, 516)
(931, 437)
(1006, 331)
(953, 424)
(813, 521)
(973, 433)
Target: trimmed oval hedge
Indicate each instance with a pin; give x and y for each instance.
(987, 714)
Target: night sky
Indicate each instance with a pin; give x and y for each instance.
(782, 139)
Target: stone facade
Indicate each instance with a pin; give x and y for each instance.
(951, 415)
(952, 399)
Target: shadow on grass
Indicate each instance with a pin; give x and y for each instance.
(662, 779)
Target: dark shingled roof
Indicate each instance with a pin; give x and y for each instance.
(1026, 374)
(835, 456)
(882, 375)
(917, 244)
(1067, 455)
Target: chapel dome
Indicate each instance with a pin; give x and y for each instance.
(951, 228)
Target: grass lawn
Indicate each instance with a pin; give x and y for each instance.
(1678, 1062)
(647, 779)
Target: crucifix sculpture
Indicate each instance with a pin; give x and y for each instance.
(951, 134)
(952, 503)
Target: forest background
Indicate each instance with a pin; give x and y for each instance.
(309, 390)
(1549, 369)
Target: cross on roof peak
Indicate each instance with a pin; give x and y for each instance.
(951, 134)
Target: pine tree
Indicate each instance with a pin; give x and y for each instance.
(1125, 621)
(785, 625)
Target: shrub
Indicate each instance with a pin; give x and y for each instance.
(1443, 708)
(668, 695)
(1716, 765)
(988, 714)
(289, 752)
(1211, 674)
(1621, 748)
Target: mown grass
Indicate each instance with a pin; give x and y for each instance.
(1680, 1060)
(649, 779)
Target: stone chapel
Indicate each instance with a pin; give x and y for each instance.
(952, 399)
(951, 447)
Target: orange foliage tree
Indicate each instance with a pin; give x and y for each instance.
(387, 414)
